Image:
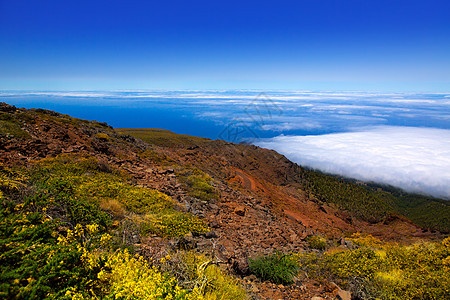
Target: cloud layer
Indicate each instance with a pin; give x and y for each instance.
(415, 159)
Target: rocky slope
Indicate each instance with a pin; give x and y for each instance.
(261, 201)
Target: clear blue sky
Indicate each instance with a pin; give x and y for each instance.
(303, 44)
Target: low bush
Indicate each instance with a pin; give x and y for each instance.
(102, 136)
(33, 264)
(277, 268)
(173, 224)
(386, 271)
(131, 277)
(11, 127)
(78, 185)
(198, 184)
(317, 242)
(199, 273)
(37, 261)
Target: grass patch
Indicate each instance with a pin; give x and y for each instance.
(198, 184)
(10, 126)
(162, 137)
(317, 242)
(277, 268)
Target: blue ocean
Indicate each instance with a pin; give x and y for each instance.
(242, 115)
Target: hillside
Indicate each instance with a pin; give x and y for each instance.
(195, 209)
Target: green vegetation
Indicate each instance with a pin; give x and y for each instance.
(172, 224)
(77, 184)
(155, 157)
(10, 126)
(373, 270)
(385, 271)
(161, 137)
(375, 203)
(198, 184)
(59, 237)
(317, 242)
(198, 272)
(430, 213)
(277, 268)
(102, 136)
(39, 262)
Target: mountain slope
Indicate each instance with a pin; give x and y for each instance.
(149, 188)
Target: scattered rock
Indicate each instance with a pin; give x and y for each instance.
(240, 210)
(214, 224)
(7, 108)
(344, 295)
(187, 242)
(210, 235)
(240, 264)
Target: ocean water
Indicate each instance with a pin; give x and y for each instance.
(242, 115)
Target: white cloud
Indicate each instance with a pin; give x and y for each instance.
(291, 126)
(416, 159)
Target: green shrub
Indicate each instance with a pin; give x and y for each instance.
(88, 195)
(317, 242)
(33, 265)
(102, 136)
(277, 267)
(198, 184)
(199, 273)
(418, 271)
(10, 127)
(173, 224)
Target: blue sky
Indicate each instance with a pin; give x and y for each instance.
(316, 44)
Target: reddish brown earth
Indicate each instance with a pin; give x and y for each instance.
(262, 203)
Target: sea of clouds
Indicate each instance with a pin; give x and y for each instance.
(415, 159)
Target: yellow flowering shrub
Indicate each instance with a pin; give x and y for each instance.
(120, 275)
(199, 273)
(12, 180)
(132, 278)
(173, 224)
(317, 242)
(42, 257)
(366, 240)
(94, 196)
(136, 199)
(418, 271)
